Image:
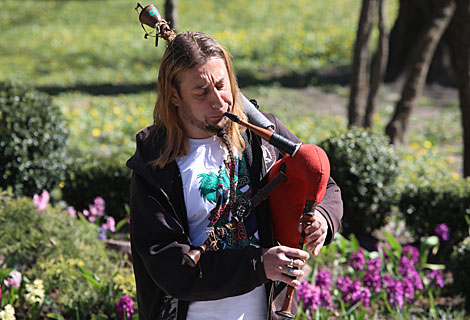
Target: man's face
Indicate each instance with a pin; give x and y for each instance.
(205, 94)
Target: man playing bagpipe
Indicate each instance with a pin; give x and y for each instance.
(195, 175)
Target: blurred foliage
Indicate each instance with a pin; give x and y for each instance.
(460, 260)
(50, 245)
(366, 167)
(430, 201)
(91, 176)
(33, 135)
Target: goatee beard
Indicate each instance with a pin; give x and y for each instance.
(216, 129)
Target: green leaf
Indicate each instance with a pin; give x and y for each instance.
(394, 244)
(55, 316)
(121, 223)
(432, 306)
(90, 278)
(354, 243)
(433, 266)
(353, 308)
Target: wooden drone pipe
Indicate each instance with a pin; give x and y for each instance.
(306, 219)
(282, 143)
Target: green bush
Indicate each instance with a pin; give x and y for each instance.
(52, 246)
(460, 260)
(365, 167)
(33, 135)
(428, 202)
(93, 176)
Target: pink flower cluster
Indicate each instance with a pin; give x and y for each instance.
(14, 280)
(96, 209)
(94, 212)
(125, 308)
(41, 201)
(109, 225)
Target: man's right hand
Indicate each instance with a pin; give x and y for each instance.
(277, 262)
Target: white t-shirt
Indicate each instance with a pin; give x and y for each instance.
(205, 176)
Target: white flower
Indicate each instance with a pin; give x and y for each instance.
(35, 292)
(8, 313)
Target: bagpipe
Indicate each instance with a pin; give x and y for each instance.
(296, 183)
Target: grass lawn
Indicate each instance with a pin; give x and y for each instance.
(70, 43)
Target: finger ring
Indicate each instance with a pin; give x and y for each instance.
(290, 271)
(291, 264)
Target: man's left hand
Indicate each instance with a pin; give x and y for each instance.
(315, 233)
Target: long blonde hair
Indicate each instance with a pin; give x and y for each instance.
(187, 50)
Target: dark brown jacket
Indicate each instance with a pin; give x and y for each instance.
(160, 234)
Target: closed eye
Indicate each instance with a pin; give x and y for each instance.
(200, 94)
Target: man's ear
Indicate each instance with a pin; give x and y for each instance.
(175, 97)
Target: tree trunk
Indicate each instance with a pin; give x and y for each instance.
(378, 67)
(361, 62)
(419, 65)
(459, 36)
(171, 13)
(413, 16)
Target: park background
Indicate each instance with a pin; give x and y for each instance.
(78, 81)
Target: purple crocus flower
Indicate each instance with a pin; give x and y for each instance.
(408, 271)
(373, 281)
(357, 259)
(394, 290)
(374, 265)
(442, 232)
(406, 266)
(326, 299)
(411, 252)
(125, 308)
(353, 292)
(437, 276)
(408, 290)
(365, 297)
(309, 294)
(343, 284)
(323, 279)
(415, 279)
(102, 234)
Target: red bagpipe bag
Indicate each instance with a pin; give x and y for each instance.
(307, 173)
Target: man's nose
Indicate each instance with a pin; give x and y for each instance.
(217, 100)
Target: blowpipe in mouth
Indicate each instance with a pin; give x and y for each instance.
(232, 117)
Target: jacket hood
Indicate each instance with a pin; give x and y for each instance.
(148, 147)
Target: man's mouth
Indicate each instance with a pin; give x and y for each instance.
(216, 116)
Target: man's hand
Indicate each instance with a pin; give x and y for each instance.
(281, 263)
(315, 233)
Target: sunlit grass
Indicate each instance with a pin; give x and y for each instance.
(65, 43)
